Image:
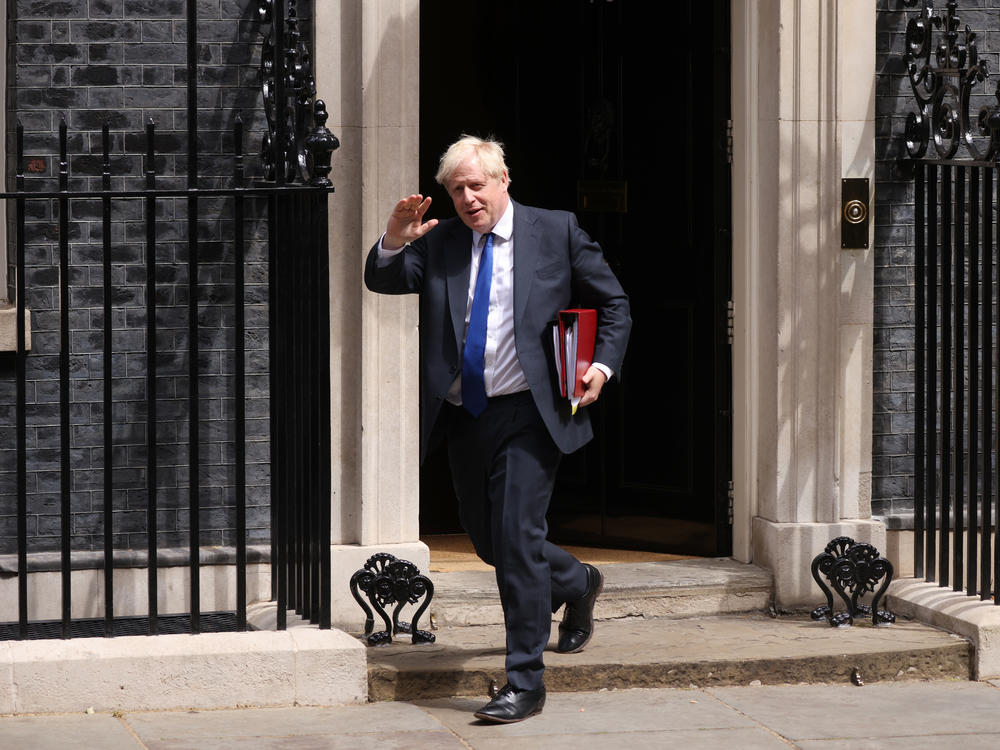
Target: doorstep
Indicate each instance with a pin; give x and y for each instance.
(639, 652)
(677, 588)
(696, 622)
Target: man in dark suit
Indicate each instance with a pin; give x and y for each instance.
(491, 281)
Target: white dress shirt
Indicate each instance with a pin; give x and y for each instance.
(502, 373)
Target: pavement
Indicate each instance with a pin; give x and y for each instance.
(737, 677)
(914, 715)
(749, 681)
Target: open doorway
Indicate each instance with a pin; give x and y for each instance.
(603, 114)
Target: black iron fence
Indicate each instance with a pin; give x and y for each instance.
(955, 481)
(292, 206)
(953, 139)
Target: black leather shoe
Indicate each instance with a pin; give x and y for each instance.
(577, 624)
(512, 705)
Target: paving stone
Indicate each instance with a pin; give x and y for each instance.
(595, 713)
(82, 732)
(699, 739)
(153, 727)
(915, 716)
(912, 711)
(927, 742)
(399, 739)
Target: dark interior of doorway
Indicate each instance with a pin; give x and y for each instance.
(605, 114)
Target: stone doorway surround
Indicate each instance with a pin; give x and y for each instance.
(367, 67)
(803, 118)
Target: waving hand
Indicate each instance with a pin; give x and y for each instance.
(406, 222)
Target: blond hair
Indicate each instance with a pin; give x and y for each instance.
(488, 152)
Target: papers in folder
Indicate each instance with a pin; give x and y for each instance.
(573, 337)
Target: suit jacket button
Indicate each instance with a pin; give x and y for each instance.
(453, 369)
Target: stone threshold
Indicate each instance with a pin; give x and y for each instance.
(675, 588)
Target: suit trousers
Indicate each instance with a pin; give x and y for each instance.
(503, 466)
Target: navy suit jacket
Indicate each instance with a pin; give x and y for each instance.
(556, 266)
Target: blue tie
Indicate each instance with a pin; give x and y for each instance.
(473, 384)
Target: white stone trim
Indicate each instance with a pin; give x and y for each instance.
(305, 666)
(746, 284)
(367, 71)
(956, 612)
(131, 597)
(8, 320)
(803, 119)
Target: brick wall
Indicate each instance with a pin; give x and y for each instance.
(123, 62)
(893, 438)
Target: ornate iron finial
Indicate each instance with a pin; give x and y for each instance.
(317, 149)
(296, 110)
(943, 85)
(853, 569)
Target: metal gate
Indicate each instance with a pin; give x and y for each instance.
(291, 203)
(954, 143)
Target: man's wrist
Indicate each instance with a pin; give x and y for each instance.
(386, 249)
(608, 372)
(390, 245)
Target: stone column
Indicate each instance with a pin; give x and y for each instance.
(367, 71)
(804, 92)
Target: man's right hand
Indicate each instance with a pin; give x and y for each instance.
(406, 222)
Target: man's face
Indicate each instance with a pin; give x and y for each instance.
(479, 200)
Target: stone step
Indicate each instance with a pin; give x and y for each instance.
(662, 624)
(679, 588)
(634, 652)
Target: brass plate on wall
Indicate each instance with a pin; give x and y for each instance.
(854, 213)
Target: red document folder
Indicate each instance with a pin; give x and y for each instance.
(573, 341)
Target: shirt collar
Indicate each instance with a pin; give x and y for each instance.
(504, 229)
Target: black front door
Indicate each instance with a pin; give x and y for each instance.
(604, 114)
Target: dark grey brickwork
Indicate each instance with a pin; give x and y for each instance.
(892, 406)
(123, 62)
(893, 439)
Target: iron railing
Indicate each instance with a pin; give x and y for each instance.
(955, 519)
(294, 202)
(955, 159)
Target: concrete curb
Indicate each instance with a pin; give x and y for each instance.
(956, 612)
(213, 670)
